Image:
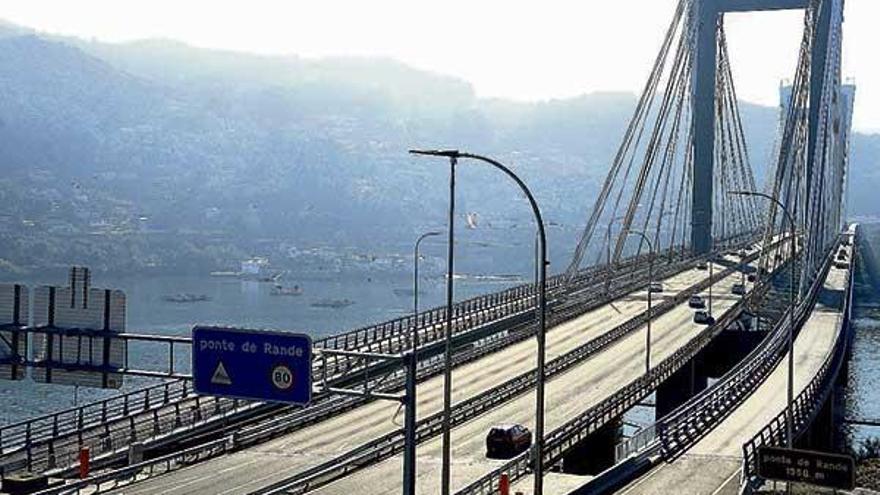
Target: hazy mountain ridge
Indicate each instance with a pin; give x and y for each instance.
(175, 156)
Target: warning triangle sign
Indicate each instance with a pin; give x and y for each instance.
(220, 376)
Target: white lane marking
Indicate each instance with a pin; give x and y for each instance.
(239, 466)
(718, 490)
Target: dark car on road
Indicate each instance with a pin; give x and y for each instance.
(506, 441)
(696, 302)
(703, 318)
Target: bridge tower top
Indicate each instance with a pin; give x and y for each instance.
(706, 15)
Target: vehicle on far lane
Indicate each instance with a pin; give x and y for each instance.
(696, 302)
(702, 265)
(507, 440)
(703, 318)
(738, 289)
(655, 287)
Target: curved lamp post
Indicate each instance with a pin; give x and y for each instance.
(650, 283)
(453, 156)
(791, 301)
(409, 427)
(414, 338)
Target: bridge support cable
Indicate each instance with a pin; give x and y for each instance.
(621, 169)
(651, 184)
(810, 167)
(789, 162)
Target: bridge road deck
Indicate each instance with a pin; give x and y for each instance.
(567, 395)
(712, 466)
(259, 466)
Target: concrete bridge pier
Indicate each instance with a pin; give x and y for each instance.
(688, 381)
(727, 349)
(722, 354)
(595, 453)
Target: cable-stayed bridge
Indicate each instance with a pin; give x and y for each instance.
(680, 206)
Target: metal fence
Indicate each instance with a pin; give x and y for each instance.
(143, 470)
(701, 414)
(275, 425)
(109, 426)
(808, 403)
(562, 439)
(393, 443)
(70, 421)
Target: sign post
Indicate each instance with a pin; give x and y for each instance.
(805, 466)
(252, 364)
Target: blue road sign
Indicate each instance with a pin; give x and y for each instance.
(252, 364)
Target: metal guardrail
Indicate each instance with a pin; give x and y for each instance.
(140, 471)
(562, 439)
(70, 421)
(391, 337)
(701, 414)
(112, 440)
(808, 403)
(60, 456)
(643, 438)
(334, 405)
(392, 443)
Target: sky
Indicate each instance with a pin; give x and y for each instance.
(526, 51)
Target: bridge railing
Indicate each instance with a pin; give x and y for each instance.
(680, 429)
(392, 336)
(808, 403)
(331, 405)
(197, 412)
(643, 438)
(562, 439)
(174, 412)
(158, 425)
(393, 443)
(136, 472)
(72, 420)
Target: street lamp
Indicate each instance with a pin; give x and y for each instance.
(414, 342)
(409, 427)
(453, 156)
(711, 282)
(650, 283)
(447, 351)
(789, 420)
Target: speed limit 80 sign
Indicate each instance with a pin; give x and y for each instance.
(282, 377)
(252, 364)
